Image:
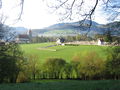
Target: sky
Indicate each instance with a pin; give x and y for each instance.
(35, 15)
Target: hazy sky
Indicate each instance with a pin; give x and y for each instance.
(35, 15)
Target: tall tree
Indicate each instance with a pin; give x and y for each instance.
(11, 57)
(84, 9)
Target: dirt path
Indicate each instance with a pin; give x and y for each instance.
(47, 48)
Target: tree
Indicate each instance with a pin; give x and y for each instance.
(90, 65)
(84, 9)
(11, 61)
(65, 72)
(113, 63)
(108, 36)
(20, 4)
(52, 67)
(33, 66)
(78, 37)
(11, 57)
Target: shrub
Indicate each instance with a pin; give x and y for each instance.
(65, 72)
(113, 63)
(90, 66)
(11, 61)
(52, 67)
(22, 77)
(33, 66)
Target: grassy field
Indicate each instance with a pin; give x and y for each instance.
(65, 52)
(64, 85)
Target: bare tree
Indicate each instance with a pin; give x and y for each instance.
(79, 9)
(84, 9)
(5, 31)
(20, 5)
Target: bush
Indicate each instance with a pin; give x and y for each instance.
(11, 61)
(52, 67)
(33, 66)
(22, 77)
(113, 63)
(65, 72)
(90, 66)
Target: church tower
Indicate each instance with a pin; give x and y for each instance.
(30, 35)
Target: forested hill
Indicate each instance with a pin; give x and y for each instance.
(74, 28)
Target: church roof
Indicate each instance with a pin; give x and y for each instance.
(23, 36)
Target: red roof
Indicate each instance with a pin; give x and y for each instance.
(23, 36)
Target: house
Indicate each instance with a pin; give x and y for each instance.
(59, 41)
(24, 38)
(100, 41)
(2, 42)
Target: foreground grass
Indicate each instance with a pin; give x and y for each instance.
(65, 52)
(64, 85)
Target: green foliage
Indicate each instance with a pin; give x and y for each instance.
(108, 36)
(52, 67)
(79, 62)
(90, 65)
(41, 39)
(32, 66)
(11, 61)
(22, 77)
(113, 62)
(65, 72)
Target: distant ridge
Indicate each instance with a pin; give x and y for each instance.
(72, 28)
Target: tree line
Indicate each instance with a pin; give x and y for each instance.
(84, 66)
(107, 38)
(17, 67)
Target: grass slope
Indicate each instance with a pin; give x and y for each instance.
(65, 52)
(64, 85)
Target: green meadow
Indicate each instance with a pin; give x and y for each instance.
(64, 52)
(64, 85)
(44, 51)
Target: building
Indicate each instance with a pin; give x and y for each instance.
(2, 42)
(59, 41)
(100, 41)
(24, 38)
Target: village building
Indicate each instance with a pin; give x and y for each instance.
(24, 38)
(2, 42)
(59, 41)
(100, 41)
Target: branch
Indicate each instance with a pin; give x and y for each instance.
(22, 5)
(0, 4)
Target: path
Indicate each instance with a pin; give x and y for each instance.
(47, 48)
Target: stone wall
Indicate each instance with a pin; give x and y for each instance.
(83, 42)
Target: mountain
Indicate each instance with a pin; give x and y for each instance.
(73, 28)
(19, 30)
(114, 28)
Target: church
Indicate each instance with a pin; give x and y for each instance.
(24, 38)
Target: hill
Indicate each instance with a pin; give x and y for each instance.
(63, 29)
(70, 29)
(73, 28)
(19, 30)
